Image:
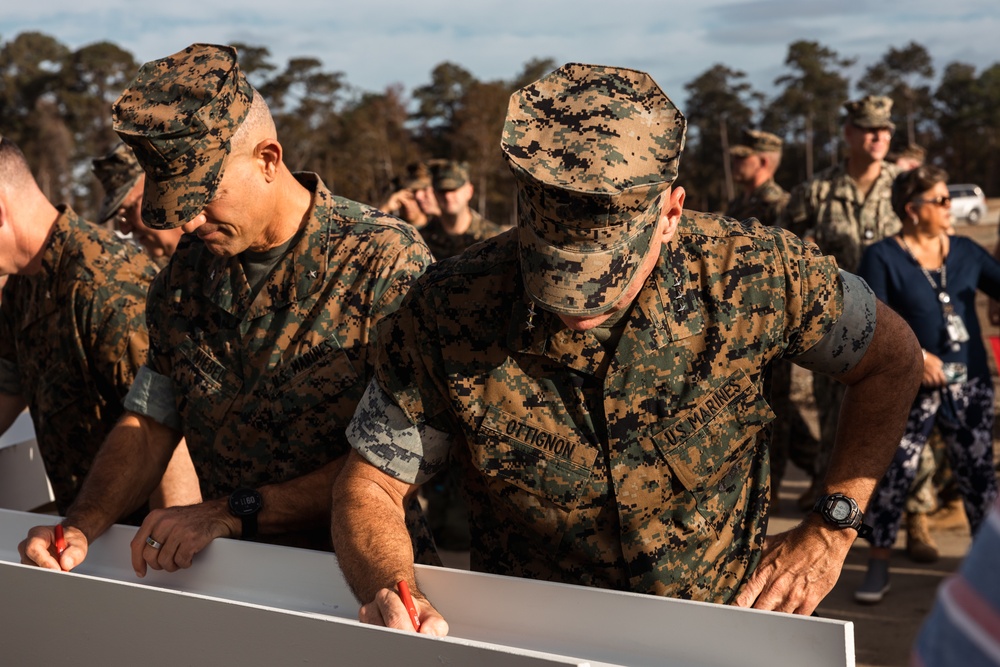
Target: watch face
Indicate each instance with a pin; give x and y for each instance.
(840, 510)
(245, 501)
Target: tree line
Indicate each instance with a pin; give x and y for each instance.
(55, 102)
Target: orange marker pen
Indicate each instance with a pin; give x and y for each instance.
(60, 540)
(404, 593)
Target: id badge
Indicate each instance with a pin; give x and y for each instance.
(957, 333)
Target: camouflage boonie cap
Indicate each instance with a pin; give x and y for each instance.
(757, 141)
(178, 115)
(592, 148)
(448, 174)
(118, 172)
(870, 112)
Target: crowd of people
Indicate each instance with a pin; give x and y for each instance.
(599, 396)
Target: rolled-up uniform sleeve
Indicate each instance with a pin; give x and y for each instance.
(153, 395)
(846, 342)
(402, 424)
(383, 435)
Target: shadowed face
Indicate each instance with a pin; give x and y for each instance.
(872, 142)
(236, 219)
(454, 201)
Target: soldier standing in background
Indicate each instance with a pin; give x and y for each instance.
(844, 209)
(458, 226)
(412, 198)
(754, 163)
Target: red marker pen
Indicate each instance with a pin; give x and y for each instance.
(404, 593)
(60, 540)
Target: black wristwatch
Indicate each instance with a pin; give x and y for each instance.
(842, 511)
(245, 503)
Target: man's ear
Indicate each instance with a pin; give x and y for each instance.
(269, 153)
(670, 213)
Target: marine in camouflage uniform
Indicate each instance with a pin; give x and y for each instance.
(754, 162)
(635, 460)
(123, 180)
(72, 338)
(845, 209)
(259, 326)
(761, 197)
(451, 179)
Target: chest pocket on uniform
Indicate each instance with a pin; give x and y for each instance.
(320, 375)
(205, 385)
(711, 446)
(519, 452)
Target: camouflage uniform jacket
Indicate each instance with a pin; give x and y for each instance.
(829, 209)
(766, 203)
(444, 245)
(644, 470)
(265, 384)
(72, 338)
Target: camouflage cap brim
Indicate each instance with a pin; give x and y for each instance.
(113, 200)
(590, 270)
(866, 124)
(741, 151)
(167, 204)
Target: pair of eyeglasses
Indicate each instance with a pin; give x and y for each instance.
(943, 202)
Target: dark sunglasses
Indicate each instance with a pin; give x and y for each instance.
(943, 202)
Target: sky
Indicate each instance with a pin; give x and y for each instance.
(378, 43)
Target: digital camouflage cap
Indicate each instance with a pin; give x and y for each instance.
(448, 174)
(592, 148)
(757, 141)
(179, 115)
(416, 177)
(118, 172)
(870, 112)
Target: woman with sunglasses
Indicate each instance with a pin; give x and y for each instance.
(930, 278)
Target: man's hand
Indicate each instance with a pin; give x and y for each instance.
(388, 610)
(799, 567)
(180, 532)
(39, 548)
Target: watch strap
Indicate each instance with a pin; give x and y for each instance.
(249, 531)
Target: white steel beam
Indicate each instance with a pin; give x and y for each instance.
(257, 604)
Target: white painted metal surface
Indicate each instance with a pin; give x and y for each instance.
(255, 604)
(23, 482)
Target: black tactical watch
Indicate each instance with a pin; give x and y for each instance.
(245, 503)
(842, 511)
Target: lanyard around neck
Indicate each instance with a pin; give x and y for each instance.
(943, 297)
